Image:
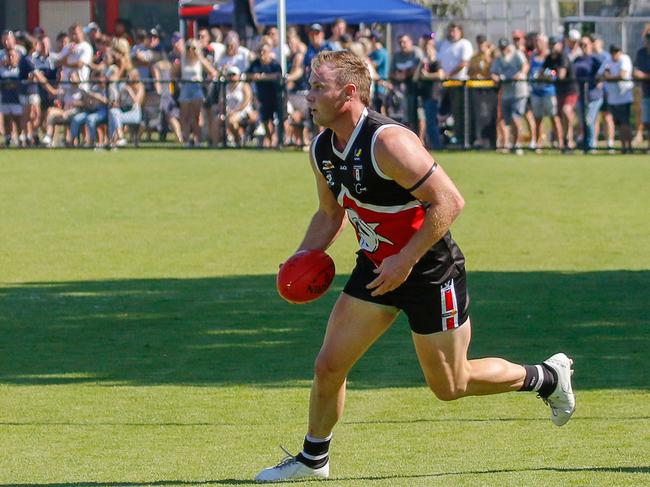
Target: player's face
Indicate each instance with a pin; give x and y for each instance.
(325, 97)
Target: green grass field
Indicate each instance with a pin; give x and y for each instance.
(142, 341)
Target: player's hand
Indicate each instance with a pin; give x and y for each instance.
(393, 271)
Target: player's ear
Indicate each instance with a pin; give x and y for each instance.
(350, 89)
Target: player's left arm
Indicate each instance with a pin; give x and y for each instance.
(401, 156)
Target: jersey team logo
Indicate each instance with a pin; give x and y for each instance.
(357, 172)
(369, 239)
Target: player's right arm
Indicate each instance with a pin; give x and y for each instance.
(328, 221)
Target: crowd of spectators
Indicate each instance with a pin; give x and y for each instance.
(86, 88)
(500, 95)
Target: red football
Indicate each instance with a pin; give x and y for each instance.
(305, 276)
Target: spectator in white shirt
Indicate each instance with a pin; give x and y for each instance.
(78, 55)
(454, 55)
(235, 55)
(620, 93)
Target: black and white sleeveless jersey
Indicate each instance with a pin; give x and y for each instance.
(384, 214)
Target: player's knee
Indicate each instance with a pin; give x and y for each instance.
(327, 370)
(447, 392)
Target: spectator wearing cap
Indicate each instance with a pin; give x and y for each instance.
(586, 67)
(603, 56)
(378, 55)
(543, 97)
(339, 28)
(454, 54)
(483, 96)
(572, 47)
(317, 43)
(93, 34)
(239, 110)
(565, 87)
(402, 69)
(642, 72)
(266, 72)
(510, 69)
(177, 48)
(620, 92)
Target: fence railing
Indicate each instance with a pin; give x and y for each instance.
(452, 114)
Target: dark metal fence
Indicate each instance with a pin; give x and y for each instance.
(456, 115)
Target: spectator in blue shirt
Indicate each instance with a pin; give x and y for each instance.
(317, 43)
(543, 97)
(379, 58)
(642, 72)
(586, 67)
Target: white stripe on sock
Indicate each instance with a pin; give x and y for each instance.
(540, 378)
(313, 457)
(318, 440)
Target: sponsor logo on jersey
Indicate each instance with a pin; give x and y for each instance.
(357, 172)
(357, 154)
(369, 239)
(327, 165)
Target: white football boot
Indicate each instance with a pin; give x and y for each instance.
(562, 401)
(291, 468)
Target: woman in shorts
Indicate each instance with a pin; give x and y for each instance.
(192, 67)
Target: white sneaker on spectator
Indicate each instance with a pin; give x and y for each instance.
(47, 141)
(121, 142)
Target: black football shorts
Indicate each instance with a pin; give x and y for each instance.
(434, 299)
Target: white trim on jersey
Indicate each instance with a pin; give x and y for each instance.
(348, 146)
(372, 150)
(312, 150)
(379, 209)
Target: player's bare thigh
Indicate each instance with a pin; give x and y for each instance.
(354, 325)
(443, 358)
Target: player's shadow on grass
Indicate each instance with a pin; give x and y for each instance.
(338, 480)
(236, 330)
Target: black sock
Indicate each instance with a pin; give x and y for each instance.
(540, 378)
(314, 452)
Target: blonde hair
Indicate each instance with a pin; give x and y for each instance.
(349, 69)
